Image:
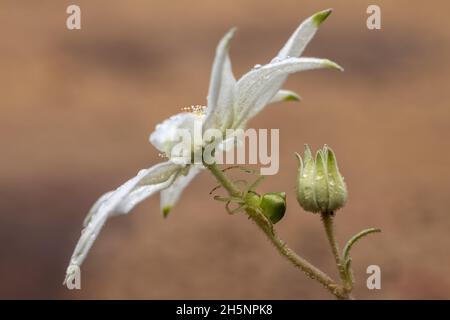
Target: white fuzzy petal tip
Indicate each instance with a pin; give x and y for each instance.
(70, 273)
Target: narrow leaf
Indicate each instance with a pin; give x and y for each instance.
(355, 238)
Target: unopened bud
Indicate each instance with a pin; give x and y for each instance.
(320, 186)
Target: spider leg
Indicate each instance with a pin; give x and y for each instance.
(255, 184)
(243, 182)
(235, 210)
(228, 199)
(222, 199)
(266, 221)
(229, 168)
(236, 167)
(215, 188)
(246, 170)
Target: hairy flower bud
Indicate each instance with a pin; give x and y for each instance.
(273, 205)
(320, 186)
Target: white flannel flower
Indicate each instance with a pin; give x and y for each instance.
(231, 104)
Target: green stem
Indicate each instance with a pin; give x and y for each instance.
(223, 180)
(327, 219)
(299, 262)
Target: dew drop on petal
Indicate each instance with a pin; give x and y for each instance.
(275, 60)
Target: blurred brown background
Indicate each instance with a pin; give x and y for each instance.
(76, 109)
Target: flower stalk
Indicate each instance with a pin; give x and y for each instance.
(327, 219)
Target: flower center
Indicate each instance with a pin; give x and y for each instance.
(198, 110)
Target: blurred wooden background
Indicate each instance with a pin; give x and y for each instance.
(76, 109)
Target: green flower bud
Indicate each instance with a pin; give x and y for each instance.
(320, 186)
(273, 205)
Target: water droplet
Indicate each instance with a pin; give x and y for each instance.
(275, 60)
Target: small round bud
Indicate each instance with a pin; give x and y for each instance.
(320, 186)
(273, 205)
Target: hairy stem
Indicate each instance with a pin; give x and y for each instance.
(260, 220)
(223, 180)
(327, 219)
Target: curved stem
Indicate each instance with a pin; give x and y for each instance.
(305, 266)
(299, 262)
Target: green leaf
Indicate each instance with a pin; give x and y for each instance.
(348, 271)
(354, 239)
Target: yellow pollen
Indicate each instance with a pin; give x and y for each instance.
(198, 110)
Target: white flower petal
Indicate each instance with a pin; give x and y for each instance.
(170, 195)
(285, 95)
(96, 206)
(221, 88)
(114, 202)
(256, 88)
(140, 193)
(228, 143)
(168, 133)
(298, 41)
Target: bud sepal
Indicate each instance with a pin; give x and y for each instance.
(320, 186)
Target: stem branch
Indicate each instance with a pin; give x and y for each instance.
(299, 262)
